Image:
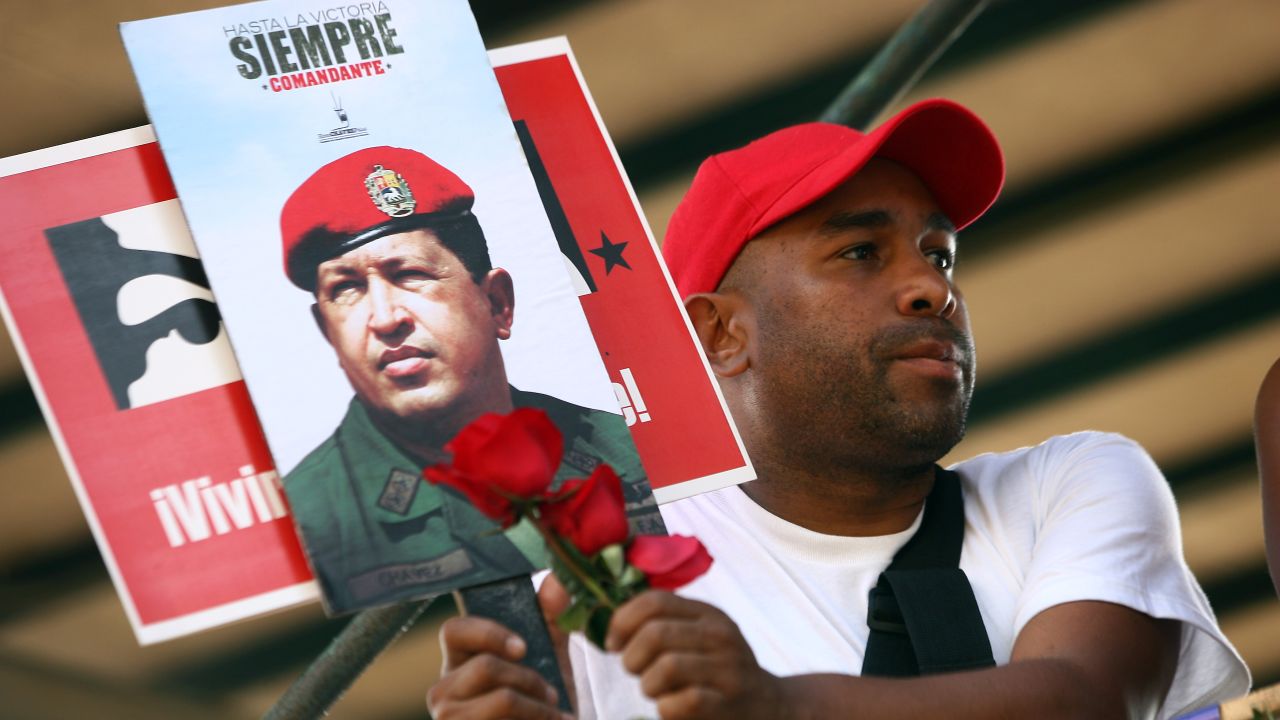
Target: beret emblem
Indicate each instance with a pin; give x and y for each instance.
(389, 192)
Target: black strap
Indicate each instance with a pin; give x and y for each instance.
(922, 613)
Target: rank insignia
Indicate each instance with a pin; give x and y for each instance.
(398, 494)
(389, 192)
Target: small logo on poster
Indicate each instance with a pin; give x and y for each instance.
(145, 303)
(344, 130)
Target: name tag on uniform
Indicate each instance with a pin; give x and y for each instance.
(389, 578)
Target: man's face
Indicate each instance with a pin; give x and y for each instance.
(416, 336)
(860, 347)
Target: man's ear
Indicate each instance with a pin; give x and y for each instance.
(501, 294)
(315, 315)
(723, 324)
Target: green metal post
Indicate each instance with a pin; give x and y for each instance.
(329, 676)
(901, 62)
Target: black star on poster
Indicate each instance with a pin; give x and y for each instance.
(611, 252)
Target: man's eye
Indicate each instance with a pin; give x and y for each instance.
(411, 275)
(943, 259)
(342, 290)
(860, 252)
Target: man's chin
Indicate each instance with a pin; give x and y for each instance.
(935, 427)
(413, 407)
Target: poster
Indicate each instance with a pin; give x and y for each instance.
(659, 373)
(116, 327)
(386, 272)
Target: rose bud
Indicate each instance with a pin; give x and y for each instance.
(500, 458)
(591, 514)
(670, 561)
(479, 494)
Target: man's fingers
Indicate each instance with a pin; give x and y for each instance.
(462, 638)
(553, 598)
(482, 678)
(692, 702)
(662, 635)
(673, 671)
(648, 605)
(484, 673)
(505, 703)
(498, 703)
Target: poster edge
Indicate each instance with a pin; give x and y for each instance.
(704, 484)
(528, 51)
(76, 150)
(248, 608)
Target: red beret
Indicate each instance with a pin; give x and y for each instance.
(739, 194)
(361, 197)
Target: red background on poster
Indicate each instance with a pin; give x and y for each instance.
(632, 316)
(122, 455)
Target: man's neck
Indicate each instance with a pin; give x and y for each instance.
(424, 440)
(842, 501)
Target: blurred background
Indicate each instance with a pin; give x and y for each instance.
(1128, 280)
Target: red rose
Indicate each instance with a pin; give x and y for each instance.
(668, 561)
(501, 458)
(592, 514)
(478, 494)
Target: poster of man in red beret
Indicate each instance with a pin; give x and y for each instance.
(384, 282)
(386, 272)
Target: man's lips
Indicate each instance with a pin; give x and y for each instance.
(928, 350)
(403, 361)
(934, 358)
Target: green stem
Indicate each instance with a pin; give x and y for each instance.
(584, 576)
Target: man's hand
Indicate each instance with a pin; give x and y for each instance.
(1077, 660)
(482, 677)
(692, 660)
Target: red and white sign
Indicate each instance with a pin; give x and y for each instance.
(668, 396)
(114, 322)
(112, 315)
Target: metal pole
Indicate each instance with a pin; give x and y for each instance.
(329, 676)
(901, 62)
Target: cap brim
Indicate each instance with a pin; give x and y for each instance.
(949, 148)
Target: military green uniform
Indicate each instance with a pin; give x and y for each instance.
(376, 532)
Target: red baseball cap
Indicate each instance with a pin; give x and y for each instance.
(737, 195)
(361, 197)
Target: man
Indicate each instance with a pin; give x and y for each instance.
(408, 298)
(817, 268)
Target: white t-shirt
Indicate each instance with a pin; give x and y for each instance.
(1080, 517)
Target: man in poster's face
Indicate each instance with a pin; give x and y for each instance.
(416, 331)
(405, 292)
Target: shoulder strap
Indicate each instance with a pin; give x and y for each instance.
(922, 613)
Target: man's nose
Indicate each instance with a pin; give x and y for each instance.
(924, 289)
(386, 316)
